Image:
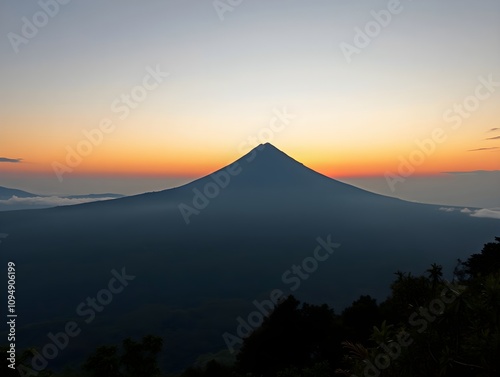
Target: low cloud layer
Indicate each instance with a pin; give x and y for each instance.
(49, 201)
(483, 149)
(491, 213)
(447, 209)
(11, 160)
(476, 172)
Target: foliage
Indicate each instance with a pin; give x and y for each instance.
(292, 336)
(454, 329)
(136, 359)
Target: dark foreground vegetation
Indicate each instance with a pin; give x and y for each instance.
(426, 327)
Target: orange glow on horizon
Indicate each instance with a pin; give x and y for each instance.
(189, 166)
(140, 156)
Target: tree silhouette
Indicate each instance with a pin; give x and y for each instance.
(359, 318)
(292, 336)
(487, 262)
(435, 274)
(104, 362)
(454, 332)
(137, 359)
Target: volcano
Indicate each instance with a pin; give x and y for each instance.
(201, 253)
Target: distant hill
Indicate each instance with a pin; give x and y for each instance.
(7, 193)
(13, 199)
(203, 252)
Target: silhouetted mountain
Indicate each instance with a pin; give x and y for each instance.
(7, 193)
(202, 252)
(12, 199)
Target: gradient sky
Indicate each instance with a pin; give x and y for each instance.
(228, 77)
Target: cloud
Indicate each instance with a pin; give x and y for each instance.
(493, 138)
(493, 213)
(11, 160)
(459, 172)
(482, 172)
(48, 201)
(482, 149)
(448, 209)
(494, 129)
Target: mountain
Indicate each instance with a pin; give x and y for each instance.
(202, 253)
(7, 193)
(13, 199)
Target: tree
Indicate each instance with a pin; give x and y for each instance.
(292, 336)
(137, 359)
(407, 294)
(360, 317)
(485, 263)
(454, 330)
(104, 362)
(435, 274)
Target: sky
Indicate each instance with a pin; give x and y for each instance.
(128, 96)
